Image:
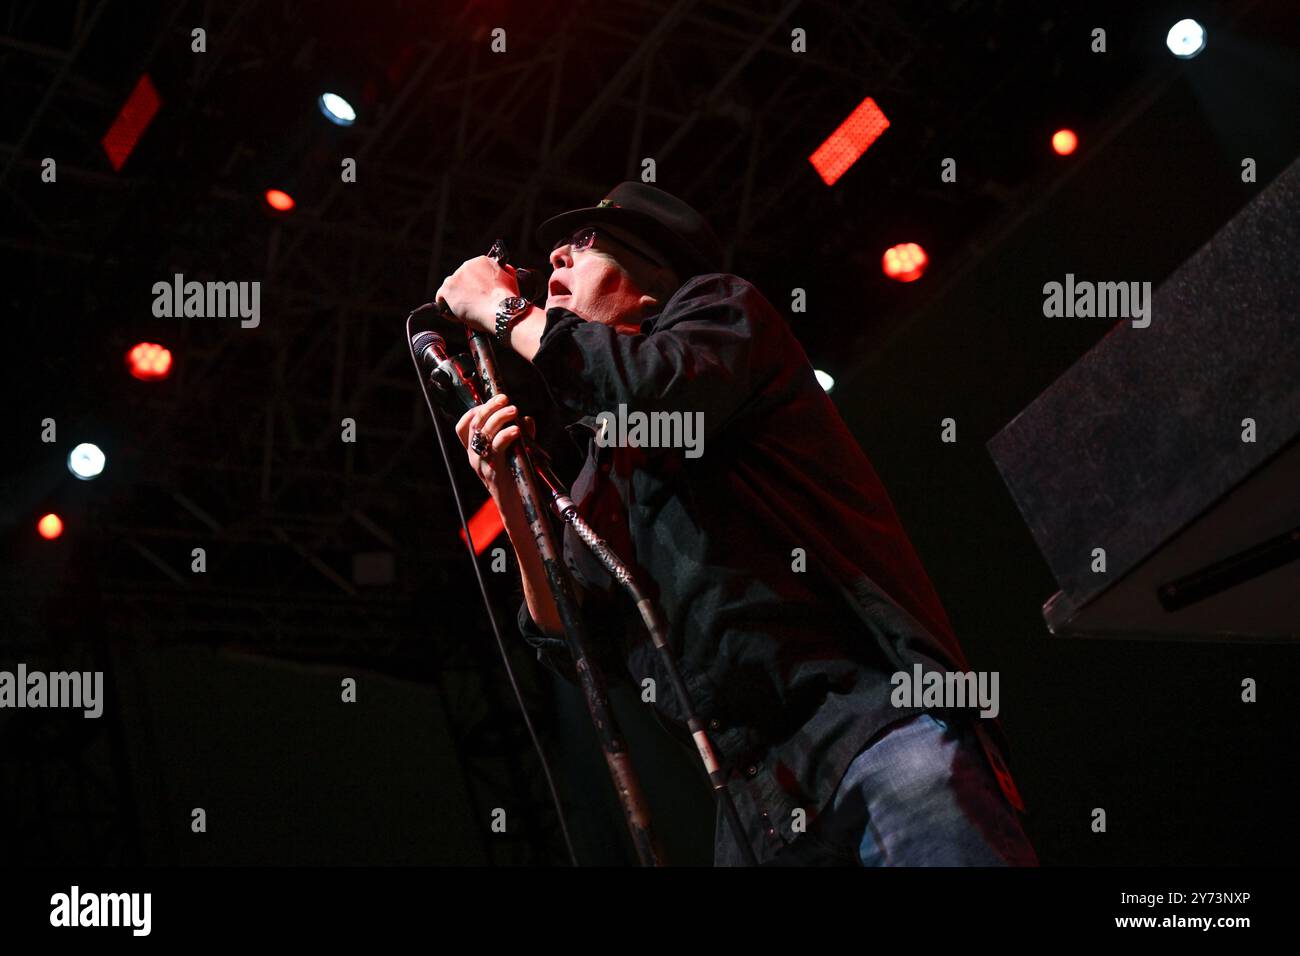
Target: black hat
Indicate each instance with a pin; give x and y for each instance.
(668, 225)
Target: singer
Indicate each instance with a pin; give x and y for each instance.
(791, 591)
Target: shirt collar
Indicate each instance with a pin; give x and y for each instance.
(585, 423)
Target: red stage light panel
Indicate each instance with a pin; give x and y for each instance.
(905, 262)
(136, 115)
(149, 361)
(484, 526)
(844, 146)
(50, 527)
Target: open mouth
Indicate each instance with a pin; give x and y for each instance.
(556, 289)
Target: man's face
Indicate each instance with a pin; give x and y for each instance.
(606, 282)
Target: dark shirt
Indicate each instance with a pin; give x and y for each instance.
(788, 664)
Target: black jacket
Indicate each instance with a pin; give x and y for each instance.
(790, 589)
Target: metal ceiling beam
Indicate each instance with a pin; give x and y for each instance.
(605, 97)
(65, 67)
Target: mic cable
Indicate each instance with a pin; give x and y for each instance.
(478, 574)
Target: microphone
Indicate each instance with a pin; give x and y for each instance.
(452, 375)
(454, 383)
(449, 375)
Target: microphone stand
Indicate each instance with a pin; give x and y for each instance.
(563, 506)
(592, 680)
(526, 473)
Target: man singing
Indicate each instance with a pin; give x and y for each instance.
(791, 592)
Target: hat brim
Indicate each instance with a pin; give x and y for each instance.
(683, 259)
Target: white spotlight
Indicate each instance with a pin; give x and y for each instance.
(1186, 39)
(337, 109)
(86, 461)
(824, 380)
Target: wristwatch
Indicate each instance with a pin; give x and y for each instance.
(508, 313)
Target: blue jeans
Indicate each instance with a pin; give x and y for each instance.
(921, 794)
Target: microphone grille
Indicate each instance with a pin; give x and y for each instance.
(424, 340)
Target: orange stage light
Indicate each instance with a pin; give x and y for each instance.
(1064, 142)
(50, 527)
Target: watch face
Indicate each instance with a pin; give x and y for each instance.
(514, 303)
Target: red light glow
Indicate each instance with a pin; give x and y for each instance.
(484, 526)
(905, 262)
(136, 115)
(149, 361)
(279, 200)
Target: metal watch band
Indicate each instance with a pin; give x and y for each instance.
(506, 319)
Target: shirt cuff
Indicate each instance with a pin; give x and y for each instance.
(552, 652)
(534, 635)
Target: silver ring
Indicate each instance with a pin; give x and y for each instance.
(479, 444)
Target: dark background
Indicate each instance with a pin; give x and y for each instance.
(225, 686)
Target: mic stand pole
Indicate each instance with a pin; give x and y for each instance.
(590, 677)
(654, 622)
